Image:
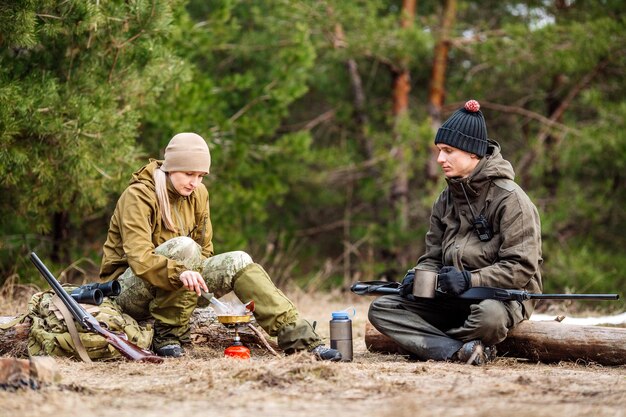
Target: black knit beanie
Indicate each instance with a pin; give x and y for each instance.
(465, 130)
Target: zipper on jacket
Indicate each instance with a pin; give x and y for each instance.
(181, 224)
(206, 217)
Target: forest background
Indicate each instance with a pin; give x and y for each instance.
(320, 116)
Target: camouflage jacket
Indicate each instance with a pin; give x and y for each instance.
(136, 229)
(512, 258)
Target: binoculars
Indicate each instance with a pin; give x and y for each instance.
(95, 292)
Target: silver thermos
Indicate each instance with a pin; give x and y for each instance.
(341, 334)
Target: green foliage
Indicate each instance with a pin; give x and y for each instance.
(593, 190)
(73, 82)
(582, 266)
(246, 63)
(301, 168)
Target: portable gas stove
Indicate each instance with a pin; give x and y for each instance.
(234, 322)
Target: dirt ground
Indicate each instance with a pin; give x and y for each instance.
(204, 383)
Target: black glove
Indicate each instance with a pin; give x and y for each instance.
(406, 288)
(452, 281)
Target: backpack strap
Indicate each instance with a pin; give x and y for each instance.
(71, 327)
(13, 322)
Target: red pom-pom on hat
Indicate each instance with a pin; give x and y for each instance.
(472, 105)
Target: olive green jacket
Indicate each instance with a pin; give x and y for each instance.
(512, 259)
(136, 229)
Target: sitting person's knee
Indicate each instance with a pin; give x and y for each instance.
(493, 319)
(240, 259)
(375, 309)
(180, 248)
(492, 312)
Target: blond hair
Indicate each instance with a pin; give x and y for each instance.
(163, 200)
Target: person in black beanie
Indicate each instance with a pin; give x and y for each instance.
(484, 231)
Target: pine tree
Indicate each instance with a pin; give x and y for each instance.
(74, 77)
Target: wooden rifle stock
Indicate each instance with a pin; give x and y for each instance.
(89, 322)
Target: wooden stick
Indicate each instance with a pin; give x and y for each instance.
(260, 335)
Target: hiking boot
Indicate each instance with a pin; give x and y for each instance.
(170, 351)
(323, 353)
(472, 353)
(490, 353)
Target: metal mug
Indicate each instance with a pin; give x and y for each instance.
(424, 283)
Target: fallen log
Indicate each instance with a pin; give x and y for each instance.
(542, 341)
(14, 340)
(206, 331)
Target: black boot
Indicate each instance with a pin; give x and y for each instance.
(171, 351)
(473, 353)
(323, 353)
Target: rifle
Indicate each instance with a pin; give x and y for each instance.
(478, 293)
(89, 322)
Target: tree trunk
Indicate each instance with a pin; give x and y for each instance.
(552, 170)
(401, 89)
(542, 341)
(14, 340)
(437, 91)
(60, 236)
(339, 41)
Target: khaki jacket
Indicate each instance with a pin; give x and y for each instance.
(512, 259)
(136, 229)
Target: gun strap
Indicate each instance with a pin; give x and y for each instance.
(13, 322)
(71, 327)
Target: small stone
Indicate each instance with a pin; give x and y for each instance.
(14, 373)
(43, 370)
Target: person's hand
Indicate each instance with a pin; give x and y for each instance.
(193, 281)
(406, 287)
(452, 281)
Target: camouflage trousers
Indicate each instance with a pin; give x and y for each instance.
(231, 271)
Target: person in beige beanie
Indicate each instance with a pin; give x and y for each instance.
(159, 247)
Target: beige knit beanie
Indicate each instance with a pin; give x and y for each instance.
(187, 152)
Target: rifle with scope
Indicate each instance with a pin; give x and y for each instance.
(89, 322)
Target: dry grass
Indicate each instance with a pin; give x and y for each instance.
(204, 383)
(14, 296)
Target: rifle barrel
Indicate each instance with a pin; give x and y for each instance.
(482, 293)
(76, 310)
(574, 296)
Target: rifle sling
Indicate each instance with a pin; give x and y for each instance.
(71, 327)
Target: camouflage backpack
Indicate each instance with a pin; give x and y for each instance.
(49, 334)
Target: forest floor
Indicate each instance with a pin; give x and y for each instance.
(204, 383)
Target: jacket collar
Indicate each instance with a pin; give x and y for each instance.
(171, 191)
(474, 184)
(490, 167)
